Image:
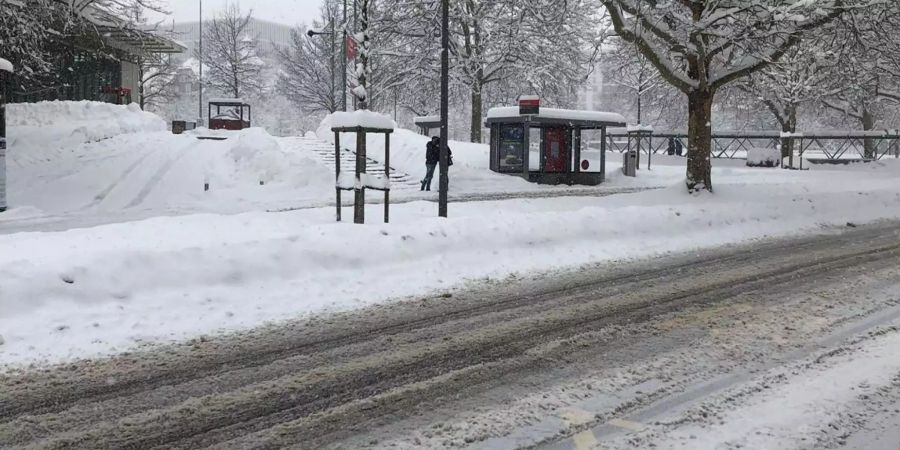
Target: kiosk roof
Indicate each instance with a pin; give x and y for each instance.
(583, 119)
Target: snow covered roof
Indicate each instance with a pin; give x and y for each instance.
(361, 119)
(118, 33)
(6, 65)
(592, 117)
(639, 127)
(427, 119)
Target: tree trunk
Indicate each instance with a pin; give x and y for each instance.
(699, 169)
(141, 80)
(475, 130)
(788, 126)
(869, 145)
(639, 109)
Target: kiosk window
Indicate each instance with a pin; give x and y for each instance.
(511, 149)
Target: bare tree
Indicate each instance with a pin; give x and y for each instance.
(157, 81)
(231, 53)
(700, 46)
(309, 77)
(805, 75)
(634, 73)
(868, 68)
(498, 49)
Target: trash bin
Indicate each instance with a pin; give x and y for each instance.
(178, 126)
(629, 163)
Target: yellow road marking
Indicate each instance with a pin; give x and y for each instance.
(626, 424)
(577, 417)
(585, 440)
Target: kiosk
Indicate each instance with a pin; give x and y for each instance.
(235, 117)
(553, 137)
(427, 123)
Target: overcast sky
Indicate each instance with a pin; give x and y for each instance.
(288, 12)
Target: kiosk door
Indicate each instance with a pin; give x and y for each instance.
(556, 152)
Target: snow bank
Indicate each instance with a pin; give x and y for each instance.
(236, 168)
(38, 128)
(98, 290)
(764, 157)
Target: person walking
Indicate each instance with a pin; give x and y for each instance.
(432, 159)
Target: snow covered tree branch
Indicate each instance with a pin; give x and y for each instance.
(699, 46)
(231, 53)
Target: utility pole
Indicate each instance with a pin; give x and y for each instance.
(200, 80)
(344, 61)
(445, 87)
(331, 58)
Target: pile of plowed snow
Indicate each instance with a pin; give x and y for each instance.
(48, 126)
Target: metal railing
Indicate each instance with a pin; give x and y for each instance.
(824, 145)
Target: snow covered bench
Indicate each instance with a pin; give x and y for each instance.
(763, 157)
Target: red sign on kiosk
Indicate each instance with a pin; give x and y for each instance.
(529, 105)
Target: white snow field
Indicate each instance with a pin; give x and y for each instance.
(170, 261)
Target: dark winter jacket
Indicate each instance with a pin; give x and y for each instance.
(433, 153)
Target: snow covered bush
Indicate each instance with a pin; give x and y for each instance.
(763, 157)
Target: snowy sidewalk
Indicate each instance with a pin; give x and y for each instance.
(107, 289)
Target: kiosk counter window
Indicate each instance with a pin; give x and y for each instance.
(511, 148)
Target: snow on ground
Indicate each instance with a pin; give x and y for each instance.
(174, 261)
(105, 289)
(93, 159)
(786, 407)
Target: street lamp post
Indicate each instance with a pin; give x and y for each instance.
(312, 33)
(344, 60)
(332, 33)
(445, 87)
(200, 79)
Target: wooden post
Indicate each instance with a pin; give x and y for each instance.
(359, 202)
(337, 172)
(387, 174)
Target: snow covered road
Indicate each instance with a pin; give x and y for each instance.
(557, 360)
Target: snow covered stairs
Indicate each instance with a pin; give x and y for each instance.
(325, 152)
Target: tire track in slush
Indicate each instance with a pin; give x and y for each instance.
(297, 346)
(99, 198)
(156, 178)
(307, 406)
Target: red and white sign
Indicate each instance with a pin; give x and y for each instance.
(529, 104)
(351, 48)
